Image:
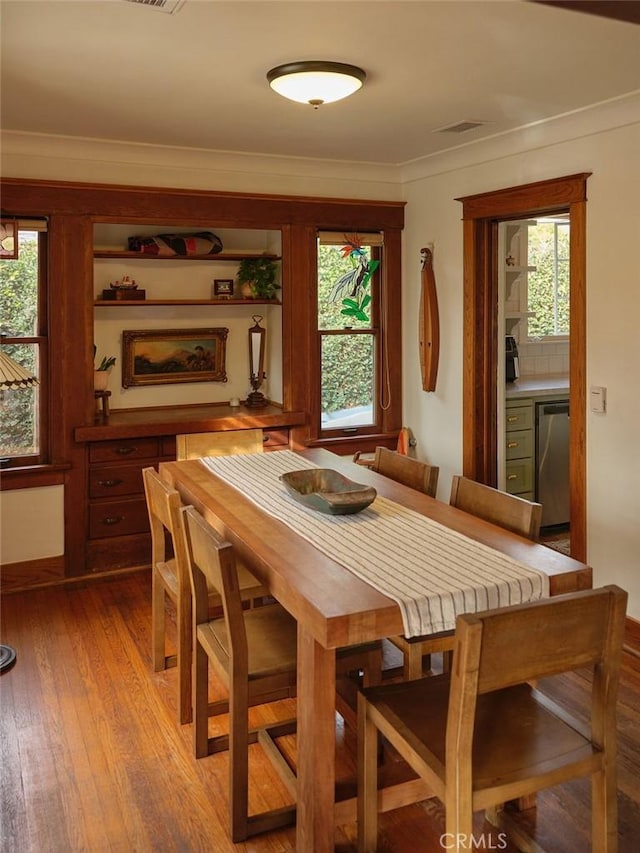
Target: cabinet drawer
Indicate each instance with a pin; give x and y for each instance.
(519, 476)
(519, 417)
(118, 518)
(519, 444)
(275, 437)
(115, 480)
(127, 448)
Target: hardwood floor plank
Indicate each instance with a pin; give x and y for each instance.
(92, 759)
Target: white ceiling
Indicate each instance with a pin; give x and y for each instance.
(108, 69)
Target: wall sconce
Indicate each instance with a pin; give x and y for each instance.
(256, 363)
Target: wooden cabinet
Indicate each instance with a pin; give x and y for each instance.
(519, 448)
(117, 523)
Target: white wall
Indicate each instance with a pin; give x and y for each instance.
(613, 316)
(32, 524)
(605, 142)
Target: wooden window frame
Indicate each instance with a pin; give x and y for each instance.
(375, 331)
(386, 327)
(41, 341)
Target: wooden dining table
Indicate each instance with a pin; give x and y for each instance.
(333, 607)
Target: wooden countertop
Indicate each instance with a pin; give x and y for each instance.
(172, 420)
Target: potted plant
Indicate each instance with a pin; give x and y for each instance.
(257, 277)
(102, 371)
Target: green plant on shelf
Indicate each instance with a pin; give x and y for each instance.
(260, 274)
(106, 363)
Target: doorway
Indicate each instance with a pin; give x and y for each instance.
(481, 215)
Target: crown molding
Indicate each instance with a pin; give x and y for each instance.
(44, 156)
(605, 116)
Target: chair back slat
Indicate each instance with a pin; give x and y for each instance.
(548, 637)
(406, 470)
(163, 505)
(508, 511)
(222, 443)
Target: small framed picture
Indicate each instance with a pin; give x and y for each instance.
(223, 288)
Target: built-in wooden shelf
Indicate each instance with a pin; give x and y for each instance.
(217, 256)
(120, 303)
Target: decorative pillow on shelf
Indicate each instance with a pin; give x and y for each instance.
(202, 243)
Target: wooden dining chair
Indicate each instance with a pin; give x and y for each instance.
(406, 470)
(170, 580)
(405, 446)
(221, 443)
(482, 735)
(507, 511)
(253, 653)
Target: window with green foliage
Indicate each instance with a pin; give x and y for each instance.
(348, 329)
(23, 327)
(548, 284)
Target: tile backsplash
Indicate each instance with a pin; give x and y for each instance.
(538, 358)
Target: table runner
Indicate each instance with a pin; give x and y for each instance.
(432, 572)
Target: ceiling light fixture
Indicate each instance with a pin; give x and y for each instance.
(315, 82)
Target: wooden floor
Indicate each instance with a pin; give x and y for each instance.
(93, 760)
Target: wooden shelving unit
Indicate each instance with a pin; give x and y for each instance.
(217, 256)
(130, 303)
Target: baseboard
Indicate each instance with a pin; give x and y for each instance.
(36, 574)
(632, 636)
(18, 576)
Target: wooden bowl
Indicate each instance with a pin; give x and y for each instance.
(328, 491)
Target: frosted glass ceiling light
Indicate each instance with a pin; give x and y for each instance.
(316, 83)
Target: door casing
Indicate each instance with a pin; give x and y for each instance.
(481, 214)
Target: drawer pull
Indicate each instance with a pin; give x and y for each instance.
(512, 476)
(125, 451)
(109, 483)
(113, 519)
(265, 438)
(513, 419)
(512, 443)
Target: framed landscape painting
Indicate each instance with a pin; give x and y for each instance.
(163, 356)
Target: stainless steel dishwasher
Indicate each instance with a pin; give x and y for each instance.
(552, 461)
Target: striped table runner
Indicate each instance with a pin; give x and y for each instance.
(432, 572)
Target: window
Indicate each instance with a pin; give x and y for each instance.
(548, 282)
(23, 327)
(348, 311)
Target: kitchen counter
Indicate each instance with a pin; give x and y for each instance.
(538, 386)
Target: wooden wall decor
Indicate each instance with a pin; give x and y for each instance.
(429, 323)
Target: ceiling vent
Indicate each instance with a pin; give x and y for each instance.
(170, 7)
(460, 127)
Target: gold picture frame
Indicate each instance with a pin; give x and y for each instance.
(169, 356)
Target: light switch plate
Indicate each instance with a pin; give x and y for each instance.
(598, 395)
